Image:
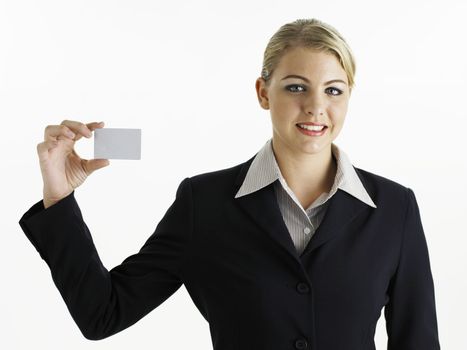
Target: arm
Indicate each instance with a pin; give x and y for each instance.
(411, 313)
(104, 302)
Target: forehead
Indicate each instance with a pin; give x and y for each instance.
(306, 61)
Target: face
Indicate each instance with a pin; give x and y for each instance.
(312, 95)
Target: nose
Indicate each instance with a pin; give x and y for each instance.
(310, 112)
(314, 105)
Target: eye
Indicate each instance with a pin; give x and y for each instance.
(292, 87)
(337, 91)
(301, 88)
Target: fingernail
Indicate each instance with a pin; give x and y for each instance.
(71, 134)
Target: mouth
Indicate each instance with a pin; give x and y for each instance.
(312, 130)
(311, 127)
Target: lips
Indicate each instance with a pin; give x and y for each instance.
(311, 127)
(311, 123)
(312, 132)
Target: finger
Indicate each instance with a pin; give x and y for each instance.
(94, 164)
(94, 125)
(71, 129)
(43, 148)
(54, 132)
(79, 128)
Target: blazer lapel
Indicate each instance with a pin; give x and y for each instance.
(262, 207)
(342, 210)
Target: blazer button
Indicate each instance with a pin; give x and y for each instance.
(303, 288)
(301, 344)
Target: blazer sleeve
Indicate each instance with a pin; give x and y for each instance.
(411, 313)
(104, 302)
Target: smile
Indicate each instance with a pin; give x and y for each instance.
(312, 130)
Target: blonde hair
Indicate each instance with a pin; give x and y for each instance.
(308, 33)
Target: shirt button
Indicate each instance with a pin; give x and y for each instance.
(301, 344)
(303, 288)
(307, 230)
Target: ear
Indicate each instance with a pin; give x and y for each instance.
(262, 93)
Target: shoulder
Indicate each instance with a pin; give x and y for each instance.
(221, 181)
(383, 190)
(377, 180)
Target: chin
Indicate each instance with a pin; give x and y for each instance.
(314, 147)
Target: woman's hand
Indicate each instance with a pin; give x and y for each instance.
(61, 167)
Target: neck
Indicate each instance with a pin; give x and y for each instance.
(304, 172)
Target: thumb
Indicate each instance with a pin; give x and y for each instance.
(94, 164)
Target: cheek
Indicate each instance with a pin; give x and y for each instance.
(286, 108)
(338, 110)
(337, 117)
(283, 109)
(343, 104)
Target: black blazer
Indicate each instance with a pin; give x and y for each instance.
(240, 267)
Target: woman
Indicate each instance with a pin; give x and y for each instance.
(293, 249)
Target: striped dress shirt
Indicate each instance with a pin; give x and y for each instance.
(301, 223)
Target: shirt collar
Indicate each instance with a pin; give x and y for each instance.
(265, 170)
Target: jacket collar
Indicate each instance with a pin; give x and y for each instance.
(262, 208)
(264, 170)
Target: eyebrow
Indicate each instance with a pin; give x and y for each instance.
(303, 78)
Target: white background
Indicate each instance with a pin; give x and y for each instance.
(184, 72)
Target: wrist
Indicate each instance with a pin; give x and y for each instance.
(48, 202)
